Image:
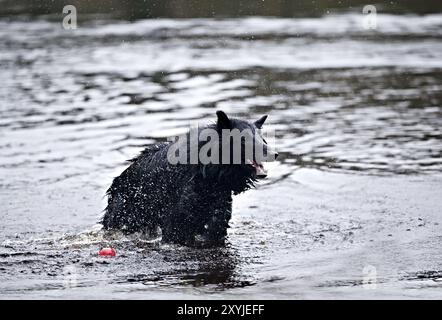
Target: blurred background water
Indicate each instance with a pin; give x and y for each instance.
(358, 119)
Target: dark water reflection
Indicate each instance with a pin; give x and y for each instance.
(75, 104)
(141, 9)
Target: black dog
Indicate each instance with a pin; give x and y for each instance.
(190, 203)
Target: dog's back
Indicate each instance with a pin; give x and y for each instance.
(134, 196)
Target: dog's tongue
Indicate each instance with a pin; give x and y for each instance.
(260, 171)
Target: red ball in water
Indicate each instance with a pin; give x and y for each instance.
(107, 252)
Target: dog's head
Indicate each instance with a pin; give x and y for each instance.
(242, 143)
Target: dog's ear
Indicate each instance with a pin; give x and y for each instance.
(223, 121)
(260, 122)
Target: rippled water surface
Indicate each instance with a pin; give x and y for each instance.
(358, 185)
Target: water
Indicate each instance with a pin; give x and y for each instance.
(357, 186)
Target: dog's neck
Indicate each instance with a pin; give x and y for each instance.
(235, 178)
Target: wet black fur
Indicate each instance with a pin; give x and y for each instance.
(191, 204)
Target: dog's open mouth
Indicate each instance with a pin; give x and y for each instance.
(260, 171)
